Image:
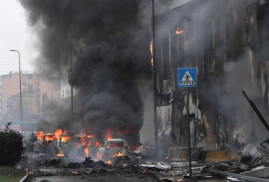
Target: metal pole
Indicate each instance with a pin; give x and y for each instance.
(20, 85)
(189, 133)
(154, 79)
(72, 93)
(71, 69)
(19, 81)
(254, 107)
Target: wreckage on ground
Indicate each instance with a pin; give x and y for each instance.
(249, 164)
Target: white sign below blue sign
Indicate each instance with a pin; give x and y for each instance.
(187, 77)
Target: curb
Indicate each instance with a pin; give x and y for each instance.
(24, 178)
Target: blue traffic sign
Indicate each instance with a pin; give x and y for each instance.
(187, 77)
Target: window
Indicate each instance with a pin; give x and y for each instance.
(6, 76)
(209, 48)
(30, 77)
(166, 57)
(180, 39)
(116, 145)
(31, 88)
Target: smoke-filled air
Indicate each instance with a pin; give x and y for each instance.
(109, 50)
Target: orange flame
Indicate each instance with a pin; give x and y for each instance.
(65, 138)
(58, 133)
(109, 162)
(109, 134)
(151, 53)
(86, 151)
(178, 32)
(89, 136)
(40, 135)
(89, 143)
(97, 144)
(61, 154)
(49, 137)
(83, 141)
(29, 172)
(119, 154)
(75, 172)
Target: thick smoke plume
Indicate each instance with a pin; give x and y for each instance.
(110, 55)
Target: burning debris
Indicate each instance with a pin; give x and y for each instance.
(179, 32)
(115, 150)
(115, 155)
(60, 144)
(76, 148)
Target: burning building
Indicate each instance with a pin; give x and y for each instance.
(227, 42)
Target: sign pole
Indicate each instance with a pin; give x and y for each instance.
(189, 133)
(187, 77)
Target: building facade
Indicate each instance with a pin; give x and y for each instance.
(227, 41)
(37, 91)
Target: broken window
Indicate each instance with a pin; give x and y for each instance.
(166, 57)
(117, 145)
(209, 48)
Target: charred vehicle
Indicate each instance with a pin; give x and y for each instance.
(114, 150)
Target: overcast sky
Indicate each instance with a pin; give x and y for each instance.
(15, 34)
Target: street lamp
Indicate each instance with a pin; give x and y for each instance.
(19, 81)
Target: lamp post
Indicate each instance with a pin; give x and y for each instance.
(71, 69)
(19, 80)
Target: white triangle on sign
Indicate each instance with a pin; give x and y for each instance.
(187, 79)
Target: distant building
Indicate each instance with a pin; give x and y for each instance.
(36, 92)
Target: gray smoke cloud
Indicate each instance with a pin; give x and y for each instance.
(110, 55)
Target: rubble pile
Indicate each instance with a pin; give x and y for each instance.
(252, 164)
(87, 169)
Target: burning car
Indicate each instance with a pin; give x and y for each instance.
(113, 150)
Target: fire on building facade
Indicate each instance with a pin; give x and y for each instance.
(227, 42)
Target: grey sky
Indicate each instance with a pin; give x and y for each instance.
(15, 34)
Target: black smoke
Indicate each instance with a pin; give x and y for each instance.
(109, 48)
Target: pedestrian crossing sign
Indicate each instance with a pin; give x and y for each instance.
(187, 77)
